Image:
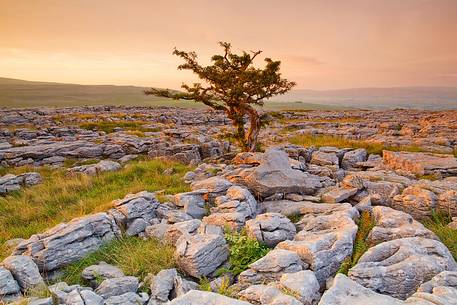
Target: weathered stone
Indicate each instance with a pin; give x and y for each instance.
(416, 201)
(267, 295)
(453, 224)
(24, 271)
(117, 286)
(195, 297)
(271, 267)
(101, 271)
(136, 226)
(139, 205)
(128, 298)
(275, 175)
(8, 285)
(421, 163)
(235, 221)
(325, 159)
(167, 285)
(237, 199)
(399, 266)
(325, 240)
(303, 285)
(353, 157)
(175, 231)
(44, 301)
(69, 242)
(212, 185)
(10, 182)
(392, 224)
(346, 291)
(192, 202)
(270, 228)
(445, 278)
(93, 169)
(338, 195)
(200, 255)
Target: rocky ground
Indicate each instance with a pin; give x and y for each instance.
(340, 208)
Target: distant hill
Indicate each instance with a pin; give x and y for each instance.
(402, 97)
(21, 93)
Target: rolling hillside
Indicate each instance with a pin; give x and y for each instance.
(21, 93)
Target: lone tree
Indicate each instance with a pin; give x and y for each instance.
(232, 84)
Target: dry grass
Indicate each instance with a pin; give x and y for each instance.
(133, 255)
(61, 197)
(336, 141)
(109, 126)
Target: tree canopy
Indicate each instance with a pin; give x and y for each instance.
(234, 85)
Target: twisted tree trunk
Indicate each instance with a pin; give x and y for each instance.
(254, 129)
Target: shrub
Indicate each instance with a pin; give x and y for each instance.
(243, 252)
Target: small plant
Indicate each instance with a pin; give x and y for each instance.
(365, 224)
(294, 218)
(205, 284)
(224, 287)
(243, 251)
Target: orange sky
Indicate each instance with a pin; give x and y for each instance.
(323, 44)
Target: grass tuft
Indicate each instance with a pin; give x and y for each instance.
(133, 255)
(365, 224)
(438, 224)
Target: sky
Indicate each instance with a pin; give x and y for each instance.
(323, 44)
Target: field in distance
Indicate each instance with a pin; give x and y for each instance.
(21, 93)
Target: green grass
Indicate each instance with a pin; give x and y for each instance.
(243, 252)
(438, 224)
(61, 197)
(365, 224)
(336, 141)
(224, 288)
(133, 255)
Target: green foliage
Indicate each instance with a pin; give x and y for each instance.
(205, 284)
(133, 255)
(438, 224)
(336, 141)
(294, 218)
(234, 85)
(365, 224)
(224, 287)
(61, 197)
(243, 251)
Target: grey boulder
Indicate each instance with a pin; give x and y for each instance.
(24, 270)
(270, 228)
(200, 255)
(398, 267)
